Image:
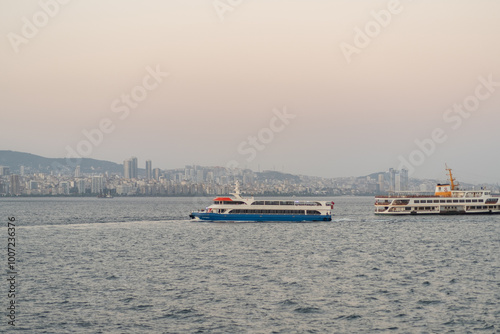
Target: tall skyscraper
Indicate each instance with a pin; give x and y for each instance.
(127, 169)
(392, 179)
(156, 174)
(398, 182)
(81, 186)
(77, 171)
(134, 168)
(97, 186)
(149, 170)
(404, 179)
(15, 185)
(381, 182)
(21, 170)
(130, 168)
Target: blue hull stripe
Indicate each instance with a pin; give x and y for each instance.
(259, 217)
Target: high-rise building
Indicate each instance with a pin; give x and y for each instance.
(404, 179)
(77, 171)
(64, 188)
(392, 179)
(127, 169)
(4, 188)
(149, 170)
(97, 186)
(21, 170)
(156, 174)
(81, 186)
(210, 177)
(199, 176)
(381, 181)
(15, 185)
(398, 182)
(130, 168)
(134, 169)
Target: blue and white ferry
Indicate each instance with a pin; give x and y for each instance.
(238, 209)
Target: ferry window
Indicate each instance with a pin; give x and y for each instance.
(448, 201)
(468, 201)
(417, 201)
(480, 200)
(474, 200)
(258, 203)
(455, 201)
(461, 201)
(436, 201)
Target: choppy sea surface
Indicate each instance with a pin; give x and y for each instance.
(138, 265)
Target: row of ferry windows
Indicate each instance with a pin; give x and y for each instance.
(449, 201)
(424, 208)
(286, 203)
(276, 212)
(270, 203)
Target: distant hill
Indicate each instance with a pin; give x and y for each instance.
(274, 175)
(36, 163)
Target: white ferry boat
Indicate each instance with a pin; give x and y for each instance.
(447, 199)
(238, 209)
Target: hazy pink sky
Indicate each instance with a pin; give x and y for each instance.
(226, 77)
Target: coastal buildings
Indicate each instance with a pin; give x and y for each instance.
(97, 186)
(15, 185)
(130, 168)
(194, 180)
(149, 171)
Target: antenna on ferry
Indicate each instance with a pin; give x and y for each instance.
(454, 186)
(237, 193)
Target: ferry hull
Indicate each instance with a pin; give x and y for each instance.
(258, 217)
(446, 213)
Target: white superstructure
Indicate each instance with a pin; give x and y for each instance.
(447, 199)
(250, 209)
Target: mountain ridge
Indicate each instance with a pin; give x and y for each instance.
(31, 162)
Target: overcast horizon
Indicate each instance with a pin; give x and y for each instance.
(320, 88)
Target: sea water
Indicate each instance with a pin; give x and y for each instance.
(138, 265)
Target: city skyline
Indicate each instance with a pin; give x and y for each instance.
(324, 88)
(197, 180)
(130, 168)
(35, 179)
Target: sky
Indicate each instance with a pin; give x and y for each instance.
(315, 87)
